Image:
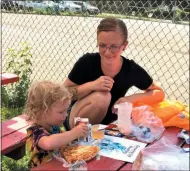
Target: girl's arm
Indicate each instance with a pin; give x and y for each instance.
(55, 141)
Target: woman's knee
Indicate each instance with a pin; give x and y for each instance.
(101, 99)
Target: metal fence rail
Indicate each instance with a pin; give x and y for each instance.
(158, 38)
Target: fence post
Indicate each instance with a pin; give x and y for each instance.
(174, 11)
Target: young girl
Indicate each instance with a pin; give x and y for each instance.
(46, 106)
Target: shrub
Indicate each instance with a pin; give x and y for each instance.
(19, 62)
(9, 164)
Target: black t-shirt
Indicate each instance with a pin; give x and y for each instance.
(88, 68)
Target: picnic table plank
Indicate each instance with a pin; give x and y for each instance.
(127, 166)
(13, 141)
(171, 134)
(13, 125)
(7, 78)
(186, 145)
(50, 165)
(13, 135)
(103, 164)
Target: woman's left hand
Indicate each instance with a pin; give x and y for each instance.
(129, 99)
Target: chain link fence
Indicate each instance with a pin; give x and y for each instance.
(58, 35)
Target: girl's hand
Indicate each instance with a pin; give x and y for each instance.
(103, 83)
(81, 130)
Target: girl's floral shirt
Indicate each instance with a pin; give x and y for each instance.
(38, 155)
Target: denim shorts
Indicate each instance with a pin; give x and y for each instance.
(66, 122)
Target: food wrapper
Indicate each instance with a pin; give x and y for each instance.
(57, 156)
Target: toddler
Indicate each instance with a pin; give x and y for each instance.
(46, 106)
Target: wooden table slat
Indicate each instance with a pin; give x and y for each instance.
(171, 134)
(14, 140)
(103, 164)
(127, 166)
(13, 125)
(7, 78)
(51, 165)
(186, 145)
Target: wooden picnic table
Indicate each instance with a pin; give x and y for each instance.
(106, 163)
(13, 137)
(7, 78)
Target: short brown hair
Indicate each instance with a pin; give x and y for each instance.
(42, 95)
(112, 24)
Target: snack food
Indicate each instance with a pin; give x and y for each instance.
(79, 152)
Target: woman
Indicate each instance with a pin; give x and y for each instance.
(100, 80)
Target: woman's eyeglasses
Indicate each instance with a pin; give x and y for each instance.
(112, 48)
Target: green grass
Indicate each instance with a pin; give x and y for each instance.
(8, 113)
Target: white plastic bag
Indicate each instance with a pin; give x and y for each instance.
(143, 117)
(162, 155)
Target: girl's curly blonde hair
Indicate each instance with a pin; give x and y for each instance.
(42, 95)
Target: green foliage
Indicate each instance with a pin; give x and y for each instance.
(47, 11)
(70, 13)
(8, 113)
(14, 97)
(181, 14)
(43, 11)
(19, 62)
(9, 164)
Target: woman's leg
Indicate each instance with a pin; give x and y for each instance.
(94, 107)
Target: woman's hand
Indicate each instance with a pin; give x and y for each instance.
(103, 83)
(130, 99)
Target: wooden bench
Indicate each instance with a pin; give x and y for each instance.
(7, 78)
(13, 137)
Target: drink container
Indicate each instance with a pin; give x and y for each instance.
(77, 121)
(124, 117)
